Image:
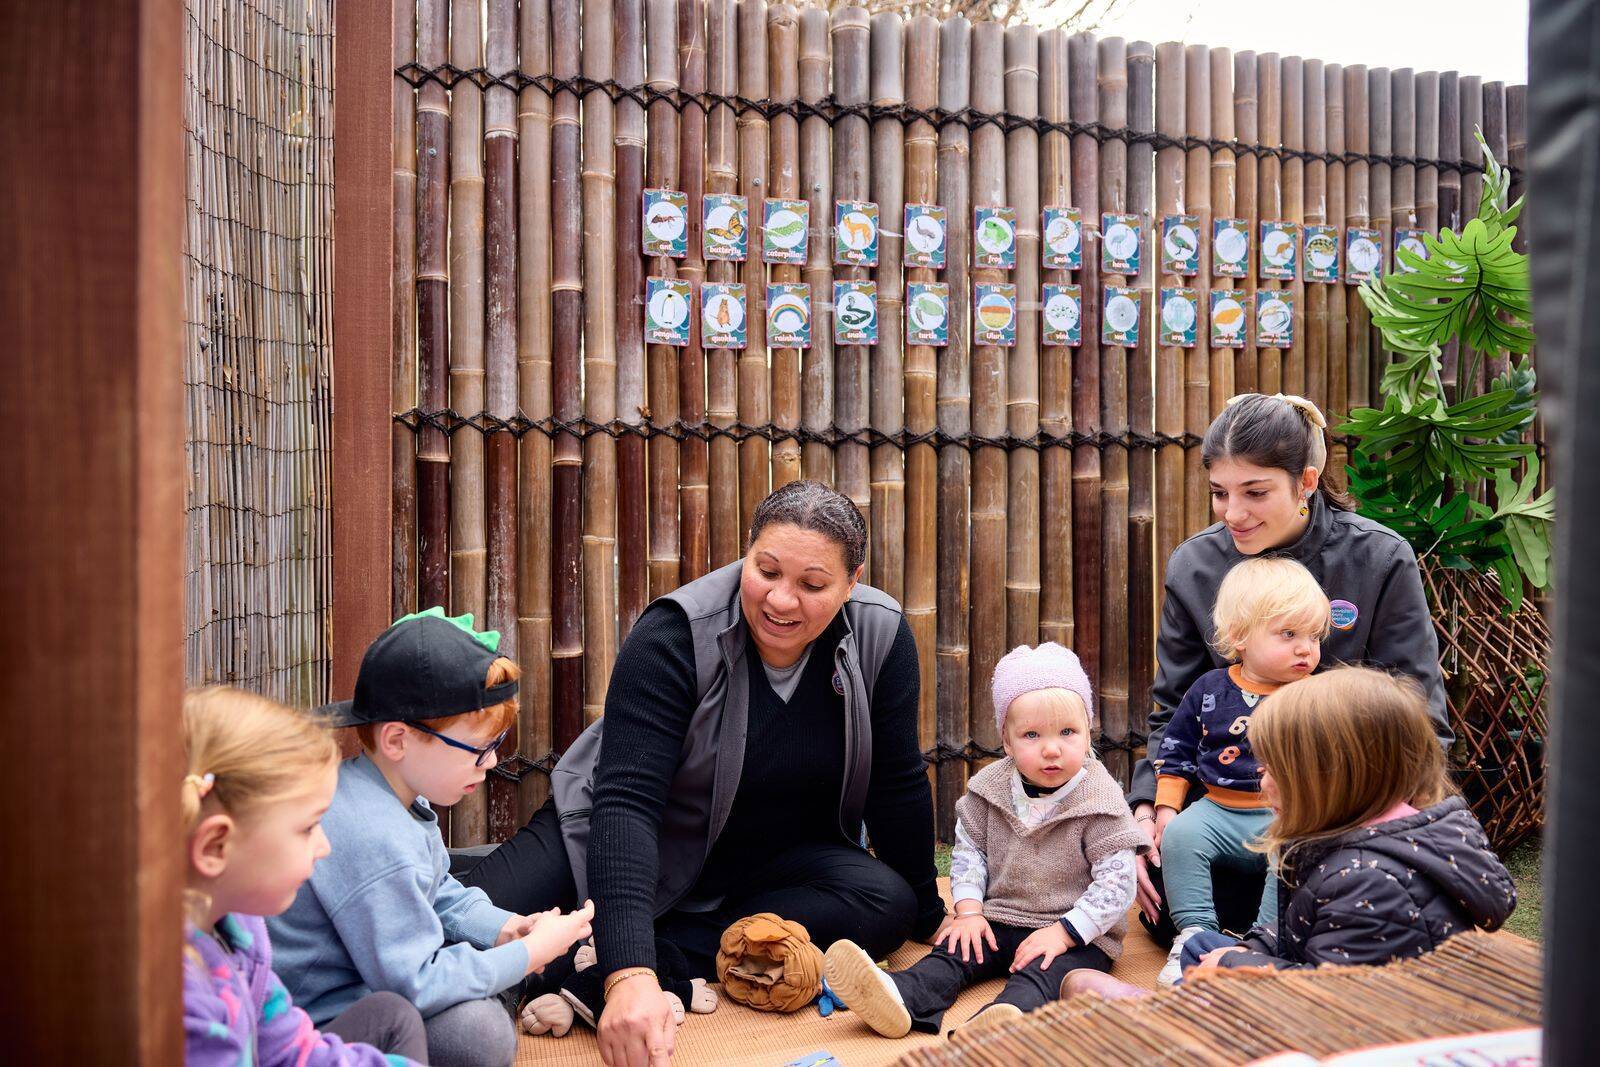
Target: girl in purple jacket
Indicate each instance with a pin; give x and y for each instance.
(259, 777)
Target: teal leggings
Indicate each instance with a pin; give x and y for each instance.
(1204, 835)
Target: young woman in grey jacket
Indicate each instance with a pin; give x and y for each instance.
(1265, 457)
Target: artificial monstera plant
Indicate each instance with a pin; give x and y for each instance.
(1420, 464)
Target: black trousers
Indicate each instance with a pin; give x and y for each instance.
(834, 890)
(1237, 894)
(932, 984)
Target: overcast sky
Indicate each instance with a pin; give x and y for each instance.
(1470, 36)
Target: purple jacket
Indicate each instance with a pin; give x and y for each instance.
(237, 1014)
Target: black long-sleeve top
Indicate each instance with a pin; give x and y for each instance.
(789, 785)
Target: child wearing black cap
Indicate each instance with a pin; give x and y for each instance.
(433, 701)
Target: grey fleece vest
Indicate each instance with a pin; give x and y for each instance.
(712, 757)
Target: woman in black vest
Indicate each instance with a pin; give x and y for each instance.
(1265, 457)
(679, 843)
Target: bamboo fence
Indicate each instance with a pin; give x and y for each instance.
(258, 272)
(556, 466)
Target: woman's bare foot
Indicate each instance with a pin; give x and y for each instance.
(1088, 980)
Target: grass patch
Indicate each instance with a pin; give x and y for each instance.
(1524, 864)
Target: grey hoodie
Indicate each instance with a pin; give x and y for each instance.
(1370, 574)
(1385, 892)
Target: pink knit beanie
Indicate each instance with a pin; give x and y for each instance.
(1024, 670)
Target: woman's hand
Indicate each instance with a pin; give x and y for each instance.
(1149, 900)
(1164, 817)
(1048, 941)
(969, 931)
(637, 1028)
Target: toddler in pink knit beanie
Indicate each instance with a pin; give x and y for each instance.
(1049, 666)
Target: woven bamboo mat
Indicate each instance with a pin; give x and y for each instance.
(735, 1036)
(1475, 983)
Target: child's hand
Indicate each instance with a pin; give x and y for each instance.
(553, 934)
(1047, 941)
(1213, 959)
(969, 931)
(519, 925)
(1164, 815)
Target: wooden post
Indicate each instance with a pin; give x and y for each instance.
(95, 486)
(1451, 216)
(816, 182)
(468, 533)
(888, 479)
(1055, 368)
(1247, 128)
(1357, 207)
(1224, 204)
(1494, 132)
(566, 238)
(1315, 213)
(1269, 204)
(1334, 343)
(922, 485)
(783, 32)
(1173, 197)
(1380, 177)
(1426, 141)
(1112, 677)
(1083, 97)
(1195, 500)
(599, 368)
(693, 456)
(988, 625)
(722, 376)
(500, 345)
(955, 420)
(535, 736)
(635, 548)
(1473, 379)
(852, 171)
(755, 407)
(433, 316)
(1022, 366)
(1292, 102)
(403, 476)
(1141, 617)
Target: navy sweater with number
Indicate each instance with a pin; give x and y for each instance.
(1208, 741)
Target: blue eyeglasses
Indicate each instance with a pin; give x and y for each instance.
(482, 753)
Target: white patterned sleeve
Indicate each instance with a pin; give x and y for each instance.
(1108, 898)
(969, 869)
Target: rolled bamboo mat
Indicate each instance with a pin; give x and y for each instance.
(1475, 983)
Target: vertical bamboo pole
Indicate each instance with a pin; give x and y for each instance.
(599, 368)
(1315, 213)
(888, 488)
(1334, 345)
(403, 447)
(468, 548)
(816, 180)
(566, 239)
(1172, 460)
(1426, 142)
(661, 172)
(1471, 119)
(1141, 587)
(722, 376)
(955, 421)
(1380, 178)
(534, 449)
(693, 455)
(851, 174)
(1055, 367)
(1112, 86)
(922, 479)
(1358, 208)
(1269, 202)
(1403, 176)
(783, 32)
(1494, 132)
(1022, 370)
(1224, 204)
(1517, 160)
(634, 544)
(755, 408)
(1196, 362)
(1084, 101)
(1247, 128)
(1450, 213)
(1292, 104)
(988, 624)
(433, 316)
(500, 265)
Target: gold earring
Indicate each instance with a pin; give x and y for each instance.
(1305, 506)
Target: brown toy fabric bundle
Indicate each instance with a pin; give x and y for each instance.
(769, 963)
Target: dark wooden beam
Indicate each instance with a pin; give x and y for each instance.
(91, 552)
(363, 225)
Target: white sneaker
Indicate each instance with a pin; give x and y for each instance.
(1172, 970)
(866, 989)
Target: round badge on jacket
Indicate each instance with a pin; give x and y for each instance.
(838, 683)
(1345, 614)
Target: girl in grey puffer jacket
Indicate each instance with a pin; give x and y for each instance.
(1377, 861)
